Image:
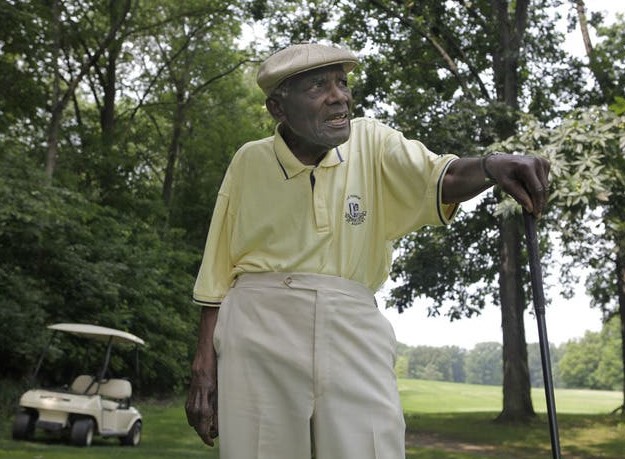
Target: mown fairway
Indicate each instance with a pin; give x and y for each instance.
(444, 421)
(444, 397)
(447, 420)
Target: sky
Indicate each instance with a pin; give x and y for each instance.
(565, 319)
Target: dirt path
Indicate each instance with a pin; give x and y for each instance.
(429, 440)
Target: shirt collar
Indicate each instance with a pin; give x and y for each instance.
(291, 166)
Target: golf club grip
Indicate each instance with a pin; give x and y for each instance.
(539, 306)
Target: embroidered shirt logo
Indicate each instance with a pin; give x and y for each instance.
(354, 213)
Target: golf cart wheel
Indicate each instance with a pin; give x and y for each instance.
(82, 432)
(134, 435)
(23, 426)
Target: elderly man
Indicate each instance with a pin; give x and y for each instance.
(300, 240)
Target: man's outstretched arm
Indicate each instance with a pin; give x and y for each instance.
(525, 178)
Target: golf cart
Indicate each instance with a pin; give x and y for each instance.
(90, 405)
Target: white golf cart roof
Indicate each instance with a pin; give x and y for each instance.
(98, 332)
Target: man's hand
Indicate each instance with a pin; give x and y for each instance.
(201, 404)
(201, 408)
(525, 178)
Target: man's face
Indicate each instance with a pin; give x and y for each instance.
(316, 109)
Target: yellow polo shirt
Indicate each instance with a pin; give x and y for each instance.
(275, 214)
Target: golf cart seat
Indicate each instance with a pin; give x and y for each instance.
(82, 383)
(115, 393)
(119, 390)
(116, 389)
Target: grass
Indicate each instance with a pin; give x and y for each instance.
(463, 414)
(446, 397)
(165, 435)
(444, 421)
(476, 435)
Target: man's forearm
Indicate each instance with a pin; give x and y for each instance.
(525, 178)
(208, 320)
(465, 179)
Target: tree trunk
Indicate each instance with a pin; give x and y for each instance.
(602, 77)
(52, 137)
(109, 175)
(517, 401)
(174, 148)
(620, 285)
(107, 112)
(59, 102)
(583, 25)
(117, 15)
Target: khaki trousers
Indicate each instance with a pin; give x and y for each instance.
(305, 369)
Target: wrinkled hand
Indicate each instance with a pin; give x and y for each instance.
(201, 406)
(525, 178)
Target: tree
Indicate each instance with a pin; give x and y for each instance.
(610, 81)
(536, 367)
(605, 62)
(502, 27)
(65, 259)
(484, 364)
(191, 50)
(436, 363)
(22, 79)
(588, 169)
(95, 244)
(237, 114)
(594, 361)
(401, 366)
(65, 21)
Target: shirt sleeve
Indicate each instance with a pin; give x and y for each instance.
(216, 271)
(412, 179)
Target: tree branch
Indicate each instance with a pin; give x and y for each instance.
(411, 24)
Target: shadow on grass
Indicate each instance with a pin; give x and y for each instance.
(474, 435)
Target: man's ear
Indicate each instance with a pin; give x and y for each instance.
(275, 108)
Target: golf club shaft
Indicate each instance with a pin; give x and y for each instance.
(539, 308)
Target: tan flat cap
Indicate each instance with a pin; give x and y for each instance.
(300, 58)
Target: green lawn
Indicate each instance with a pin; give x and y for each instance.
(465, 413)
(444, 421)
(165, 435)
(445, 397)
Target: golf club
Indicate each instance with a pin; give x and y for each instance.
(539, 308)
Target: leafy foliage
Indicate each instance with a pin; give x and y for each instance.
(588, 166)
(435, 363)
(151, 101)
(594, 361)
(591, 362)
(484, 364)
(65, 259)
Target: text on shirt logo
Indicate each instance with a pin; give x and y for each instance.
(353, 214)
